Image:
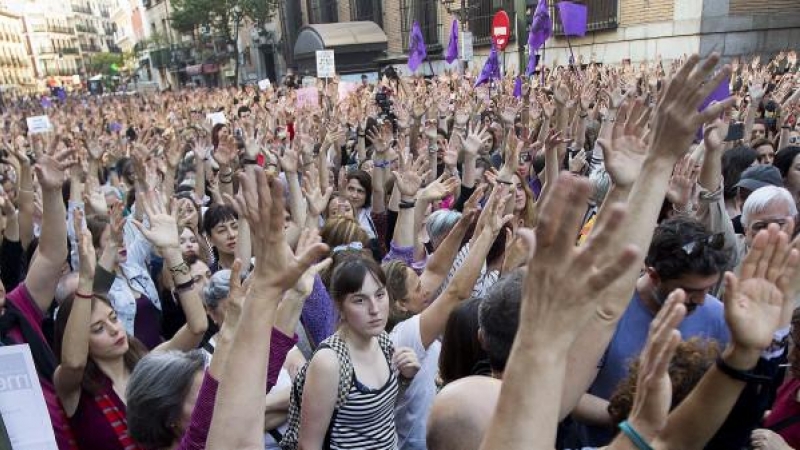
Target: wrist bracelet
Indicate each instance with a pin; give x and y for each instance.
(382, 164)
(634, 436)
(179, 269)
(508, 183)
(407, 205)
(86, 296)
(184, 287)
(746, 376)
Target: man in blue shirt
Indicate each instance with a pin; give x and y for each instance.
(682, 255)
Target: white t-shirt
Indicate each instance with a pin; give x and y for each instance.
(411, 412)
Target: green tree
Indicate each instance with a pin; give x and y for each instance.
(104, 63)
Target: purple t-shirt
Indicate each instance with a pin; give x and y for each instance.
(21, 298)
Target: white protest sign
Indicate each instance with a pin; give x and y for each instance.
(465, 53)
(39, 124)
(215, 118)
(264, 84)
(22, 402)
(326, 66)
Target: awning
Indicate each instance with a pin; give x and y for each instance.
(356, 45)
(196, 69)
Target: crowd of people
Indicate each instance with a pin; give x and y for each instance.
(596, 256)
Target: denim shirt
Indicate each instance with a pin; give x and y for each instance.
(135, 269)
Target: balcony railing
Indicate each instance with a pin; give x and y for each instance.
(60, 29)
(82, 9)
(91, 48)
(601, 15)
(86, 28)
(69, 51)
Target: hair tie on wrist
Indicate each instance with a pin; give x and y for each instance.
(634, 436)
(86, 296)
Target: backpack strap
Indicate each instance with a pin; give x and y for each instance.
(335, 343)
(387, 346)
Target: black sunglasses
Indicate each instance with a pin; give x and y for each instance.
(695, 246)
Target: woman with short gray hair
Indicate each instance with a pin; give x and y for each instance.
(161, 396)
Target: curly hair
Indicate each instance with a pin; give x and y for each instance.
(691, 361)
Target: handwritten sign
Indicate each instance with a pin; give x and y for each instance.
(215, 118)
(307, 97)
(39, 124)
(326, 66)
(264, 84)
(22, 403)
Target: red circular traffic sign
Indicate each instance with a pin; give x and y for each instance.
(501, 30)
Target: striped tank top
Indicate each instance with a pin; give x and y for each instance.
(366, 421)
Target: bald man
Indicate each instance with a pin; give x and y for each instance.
(461, 413)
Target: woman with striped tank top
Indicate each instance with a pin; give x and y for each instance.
(352, 381)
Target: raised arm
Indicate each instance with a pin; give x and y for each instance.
(676, 121)
(290, 164)
(163, 233)
(75, 342)
(45, 270)
(239, 411)
(558, 299)
(433, 319)
(754, 305)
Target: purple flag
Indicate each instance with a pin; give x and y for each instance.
(518, 88)
(719, 94)
(416, 48)
(541, 30)
(452, 47)
(491, 70)
(573, 17)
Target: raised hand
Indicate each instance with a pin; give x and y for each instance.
(562, 280)
(755, 300)
(477, 138)
(317, 200)
(262, 202)
(410, 176)
(624, 153)
(714, 133)
(163, 231)
(682, 181)
(86, 255)
(653, 399)
(226, 152)
(305, 284)
(51, 169)
(439, 189)
(677, 118)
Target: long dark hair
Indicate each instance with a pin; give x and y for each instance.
(461, 350)
(92, 376)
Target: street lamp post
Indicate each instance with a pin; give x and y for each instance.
(237, 18)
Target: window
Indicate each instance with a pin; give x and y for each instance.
(322, 11)
(426, 13)
(602, 15)
(480, 21)
(366, 10)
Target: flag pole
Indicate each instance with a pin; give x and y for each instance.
(572, 55)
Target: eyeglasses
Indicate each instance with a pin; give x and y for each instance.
(715, 241)
(763, 224)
